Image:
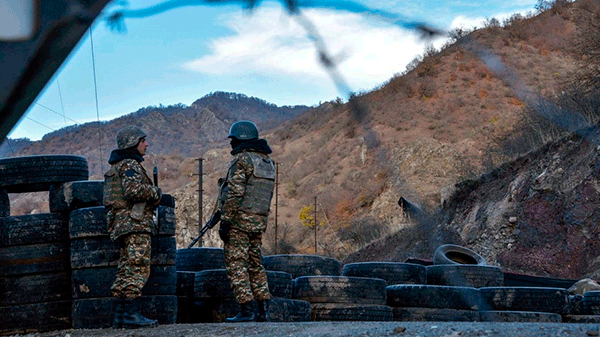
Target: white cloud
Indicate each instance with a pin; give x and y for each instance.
(269, 42)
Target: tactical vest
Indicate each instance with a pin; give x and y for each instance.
(113, 196)
(260, 185)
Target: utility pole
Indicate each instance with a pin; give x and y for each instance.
(200, 190)
(316, 224)
(276, 205)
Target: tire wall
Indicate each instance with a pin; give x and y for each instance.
(94, 259)
(35, 294)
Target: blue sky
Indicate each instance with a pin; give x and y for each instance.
(183, 54)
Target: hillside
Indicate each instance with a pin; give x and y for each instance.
(448, 119)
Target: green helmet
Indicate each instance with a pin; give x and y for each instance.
(243, 130)
(129, 137)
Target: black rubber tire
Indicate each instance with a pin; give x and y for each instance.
(33, 229)
(96, 313)
(38, 173)
(431, 296)
(167, 200)
(34, 259)
(537, 299)
(350, 312)
(340, 289)
(591, 302)
(166, 220)
(37, 317)
(214, 283)
(91, 222)
(303, 265)
(87, 222)
(519, 316)
(391, 272)
(4, 204)
(590, 319)
(454, 254)
(434, 315)
(101, 251)
(280, 309)
(193, 311)
(36, 288)
(185, 283)
(288, 310)
(96, 282)
(465, 275)
(200, 258)
(76, 194)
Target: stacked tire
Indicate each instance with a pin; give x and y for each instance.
(35, 290)
(94, 259)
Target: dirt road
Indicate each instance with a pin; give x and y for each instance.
(338, 329)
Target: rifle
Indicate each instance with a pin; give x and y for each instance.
(214, 218)
(212, 222)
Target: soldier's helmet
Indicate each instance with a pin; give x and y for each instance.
(243, 130)
(129, 137)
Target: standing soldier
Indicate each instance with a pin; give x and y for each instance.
(247, 190)
(130, 199)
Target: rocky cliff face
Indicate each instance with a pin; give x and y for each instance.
(537, 214)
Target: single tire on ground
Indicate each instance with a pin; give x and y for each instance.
(96, 282)
(434, 314)
(454, 254)
(72, 195)
(465, 275)
(35, 288)
(432, 296)
(536, 299)
(303, 265)
(214, 283)
(350, 312)
(34, 259)
(391, 272)
(4, 204)
(200, 258)
(519, 316)
(96, 313)
(340, 289)
(33, 229)
(38, 173)
(36, 317)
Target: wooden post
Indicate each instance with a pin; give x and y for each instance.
(316, 225)
(276, 205)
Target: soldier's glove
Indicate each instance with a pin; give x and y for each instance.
(224, 231)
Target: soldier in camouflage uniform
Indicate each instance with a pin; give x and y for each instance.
(248, 190)
(130, 200)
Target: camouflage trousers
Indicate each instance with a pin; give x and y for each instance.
(134, 265)
(243, 262)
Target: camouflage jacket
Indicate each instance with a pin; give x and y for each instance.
(129, 195)
(249, 187)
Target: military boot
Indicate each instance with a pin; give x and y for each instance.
(262, 312)
(118, 314)
(245, 315)
(132, 319)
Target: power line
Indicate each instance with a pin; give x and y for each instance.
(61, 100)
(96, 93)
(46, 126)
(56, 112)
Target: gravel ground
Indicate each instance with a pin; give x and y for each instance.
(338, 329)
